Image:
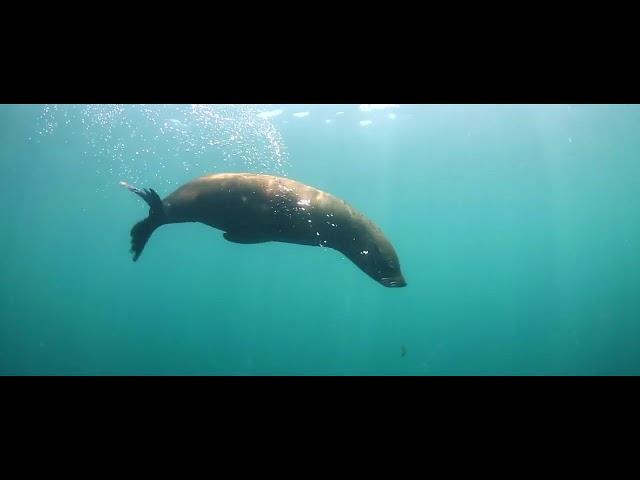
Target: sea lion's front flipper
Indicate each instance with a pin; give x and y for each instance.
(244, 237)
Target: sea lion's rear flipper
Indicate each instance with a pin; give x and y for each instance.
(244, 237)
(142, 230)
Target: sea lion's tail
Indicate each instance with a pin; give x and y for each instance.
(141, 231)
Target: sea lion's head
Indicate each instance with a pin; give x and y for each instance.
(378, 259)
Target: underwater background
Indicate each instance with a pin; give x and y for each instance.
(517, 228)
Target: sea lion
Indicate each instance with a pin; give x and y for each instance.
(253, 208)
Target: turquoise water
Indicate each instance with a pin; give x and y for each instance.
(517, 228)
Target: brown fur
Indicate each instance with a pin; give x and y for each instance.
(252, 208)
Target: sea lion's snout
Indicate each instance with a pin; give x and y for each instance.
(394, 282)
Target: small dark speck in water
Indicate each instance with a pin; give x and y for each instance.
(403, 351)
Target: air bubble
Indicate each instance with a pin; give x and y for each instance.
(159, 133)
